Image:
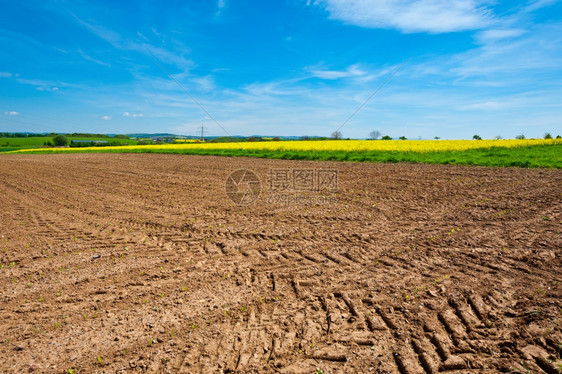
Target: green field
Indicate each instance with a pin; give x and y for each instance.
(536, 156)
(13, 144)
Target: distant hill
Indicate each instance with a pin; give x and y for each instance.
(163, 135)
(157, 135)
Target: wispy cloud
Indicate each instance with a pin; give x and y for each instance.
(493, 35)
(205, 83)
(144, 47)
(18, 38)
(106, 118)
(433, 16)
(538, 4)
(535, 51)
(12, 113)
(91, 59)
(487, 105)
(5, 74)
(47, 85)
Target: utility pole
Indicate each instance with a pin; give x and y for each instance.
(202, 130)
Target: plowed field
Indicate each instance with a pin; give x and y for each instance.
(141, 263)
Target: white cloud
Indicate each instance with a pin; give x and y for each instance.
(487, 105)
(133, 115)
(434, 16)
(106, 118)
(12, 113)
(493, 35)
(5, 74)
(221, 4)
(351, 71)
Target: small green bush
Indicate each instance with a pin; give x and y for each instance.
(60, 140)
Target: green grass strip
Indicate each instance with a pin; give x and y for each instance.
(537, 156)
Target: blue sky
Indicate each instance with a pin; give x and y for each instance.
(283, 67)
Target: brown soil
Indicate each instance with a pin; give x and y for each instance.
(143, 261)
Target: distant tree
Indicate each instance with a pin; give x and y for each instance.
(547, 136)
(520, 137)
(60, 140)
(336, 135)
(558, 137)
(476, 137)
(305, 137)
(253, 139)
(374, 135)
(498, 137)
(386, 137)
(276, 139)
(402, 138)
(436, 138)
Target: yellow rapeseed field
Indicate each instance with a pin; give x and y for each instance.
(328, 145)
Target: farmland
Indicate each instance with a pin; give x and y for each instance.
(36, 142)
(120, 262)
(522, 153)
